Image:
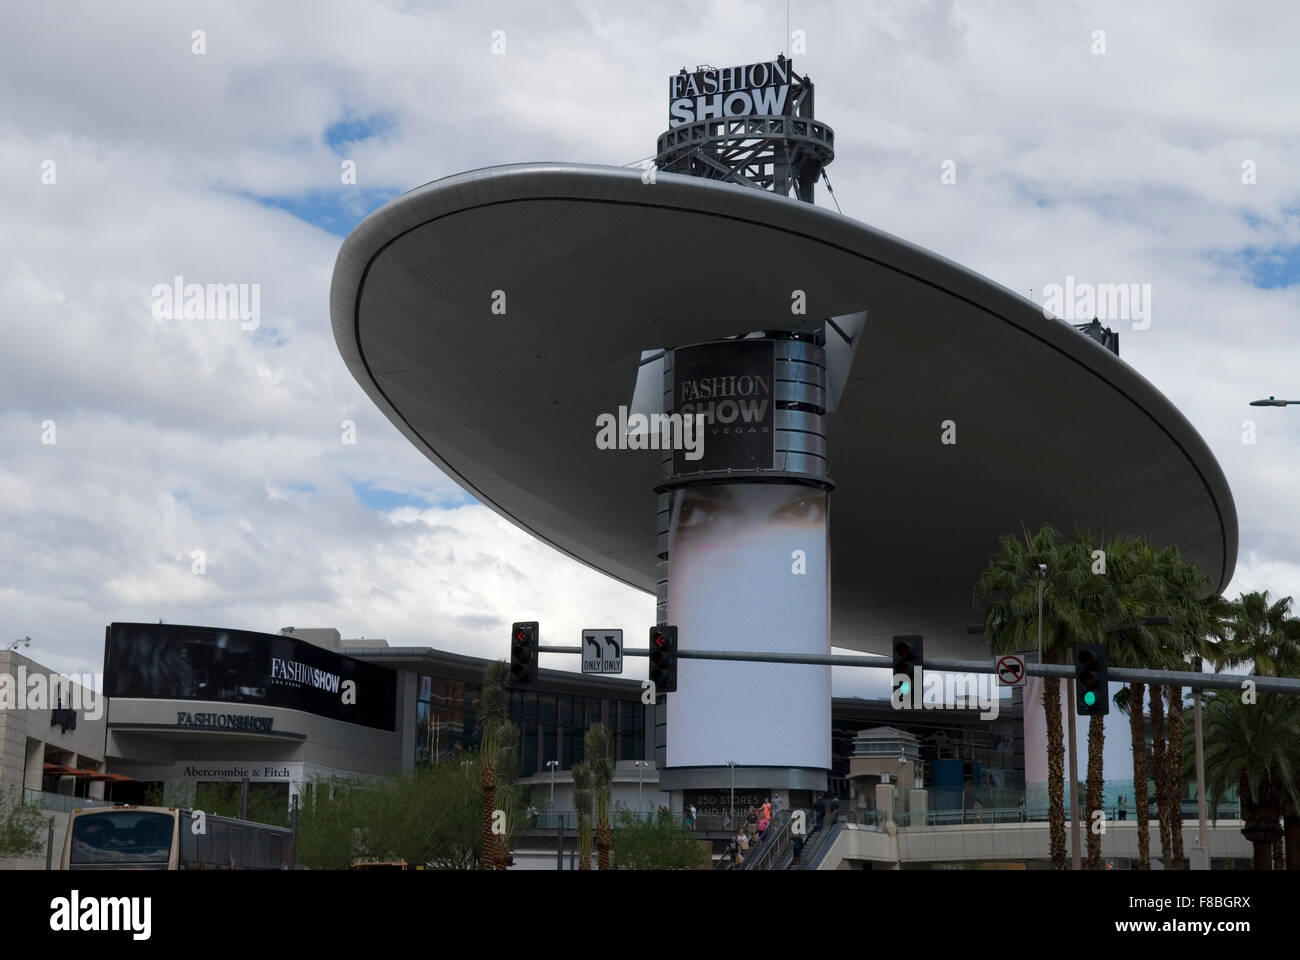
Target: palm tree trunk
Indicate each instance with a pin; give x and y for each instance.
(1260, 819)
(604, 835)
(488, 860)
(1137, 693)
(1055, 770)
(1096, 745)
(1292, 829)
(1263, 855)
(584, 842)
(1174, 763)
(1159, 773)
(604, 843)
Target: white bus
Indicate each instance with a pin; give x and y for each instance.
(126, 837)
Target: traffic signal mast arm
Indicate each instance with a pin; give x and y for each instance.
(1185, 678)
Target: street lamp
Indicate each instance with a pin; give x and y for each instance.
(1042, 579)
(1272, 402)
(640, 767)
(552, 764)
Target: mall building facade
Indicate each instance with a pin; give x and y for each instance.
(192, 713)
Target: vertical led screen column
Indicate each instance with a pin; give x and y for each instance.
(748, 571)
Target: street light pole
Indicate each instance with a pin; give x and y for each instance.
(1042, 576)
(1200, 764)
(1075, 854)
(559, 820)
(640, 767)
(732, 807)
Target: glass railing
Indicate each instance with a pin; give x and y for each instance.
(956, 808)
(61, 802)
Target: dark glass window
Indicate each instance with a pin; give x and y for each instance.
(549, 745)
(573, 745)
(628, 713)
(422, 725)
(546, 708)
(528, 736)
(470, 739)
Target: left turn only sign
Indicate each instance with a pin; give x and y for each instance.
(602, 651)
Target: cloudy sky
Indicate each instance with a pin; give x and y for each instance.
(133, 151)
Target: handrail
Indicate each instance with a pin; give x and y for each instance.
(772, 844)
(824, 845)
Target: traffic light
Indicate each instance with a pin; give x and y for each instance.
(1091, 669)
(523, 652)
(663, 659)
(908, 653)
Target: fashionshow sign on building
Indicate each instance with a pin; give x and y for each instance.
(729, 386)
(168, 662)
(759, 89)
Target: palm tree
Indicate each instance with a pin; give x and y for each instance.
(1007, 592)
(1250, 746)
(1264, 635)
(600, 759)
(1169, 587)
(487, 764)
(1200, 624)
(505, 755)
(1101, 600)
(582, 804)
(1129, 701)
(1132, 565)
(494, 715)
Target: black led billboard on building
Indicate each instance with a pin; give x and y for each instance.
(729, 385)
(168, 662)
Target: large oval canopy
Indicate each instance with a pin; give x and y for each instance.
(588, 266)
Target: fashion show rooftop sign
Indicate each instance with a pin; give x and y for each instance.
(759, 89)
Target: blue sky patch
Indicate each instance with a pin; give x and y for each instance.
(334, 211)
(354, 130)
(1268, 269)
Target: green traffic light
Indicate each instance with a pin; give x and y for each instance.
(1090, 698)
(905, 687)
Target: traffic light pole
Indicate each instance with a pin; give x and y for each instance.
(1185, 678)
(1076, 856)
